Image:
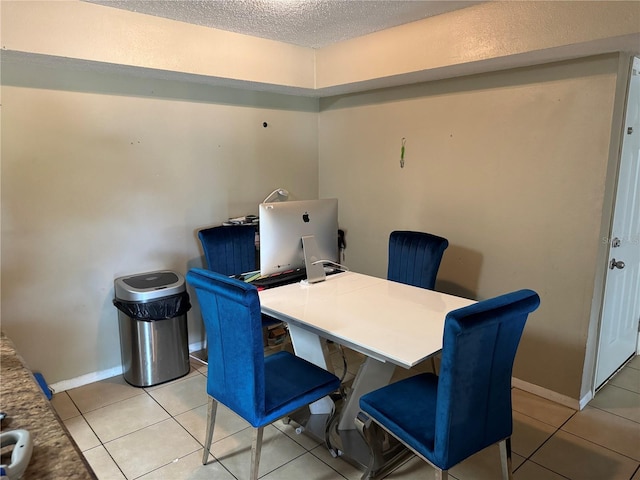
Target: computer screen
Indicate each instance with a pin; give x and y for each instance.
(282, 226)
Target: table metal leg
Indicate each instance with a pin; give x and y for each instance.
(385, 451)
(373, 374)
(368, 447)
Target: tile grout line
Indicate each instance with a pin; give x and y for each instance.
(601, 446)
(555, 430)
(102, 444)
(614, 413)
(530, 457)
(172, 417)
(94, 432)
(97, 436)
(325, 463)
(545, 467)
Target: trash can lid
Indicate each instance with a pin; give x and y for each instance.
(143, 287)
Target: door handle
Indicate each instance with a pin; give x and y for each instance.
(616, 264)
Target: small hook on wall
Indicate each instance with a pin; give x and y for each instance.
(404, 141)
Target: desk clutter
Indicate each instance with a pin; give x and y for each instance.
(275, 279)
(276, 335)
(244, 220)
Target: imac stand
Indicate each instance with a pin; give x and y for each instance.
(315, 271)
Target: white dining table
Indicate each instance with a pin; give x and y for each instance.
(391, 323)
(388, 321)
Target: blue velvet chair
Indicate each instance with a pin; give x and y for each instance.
(229, 249)
(445, 419)
(260, 389)
(414, 258)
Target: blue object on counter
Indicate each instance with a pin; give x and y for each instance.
(43, 385)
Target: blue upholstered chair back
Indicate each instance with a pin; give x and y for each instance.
(414, 258)
(231, 314)
(229, 249)
(473, 405)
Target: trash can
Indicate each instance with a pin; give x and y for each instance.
(152, 317)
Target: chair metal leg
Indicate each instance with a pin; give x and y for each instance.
(505, 458)
(211, 418)
(256, 448)
(442, 474)
(385, 452)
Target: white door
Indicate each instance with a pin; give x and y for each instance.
(621, 308)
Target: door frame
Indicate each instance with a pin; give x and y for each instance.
(625, 65)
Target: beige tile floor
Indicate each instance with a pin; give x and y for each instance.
(157, 433)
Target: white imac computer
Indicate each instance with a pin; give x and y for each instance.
(298, 234)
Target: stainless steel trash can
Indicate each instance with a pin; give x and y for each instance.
(152, 317)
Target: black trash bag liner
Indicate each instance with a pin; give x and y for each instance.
(161, 309)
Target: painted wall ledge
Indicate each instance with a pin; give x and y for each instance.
(488, 37)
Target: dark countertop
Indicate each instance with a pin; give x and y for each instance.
(55, 455)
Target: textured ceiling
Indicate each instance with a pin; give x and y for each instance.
(308, 23)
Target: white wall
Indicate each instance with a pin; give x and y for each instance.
(510, 167)
(105, 175)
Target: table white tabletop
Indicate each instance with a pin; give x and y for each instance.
(385, 320)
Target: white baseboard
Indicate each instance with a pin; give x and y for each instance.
(549, 394)
(103, 374)
(194, 347)
(586, 399)
(85, 379)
